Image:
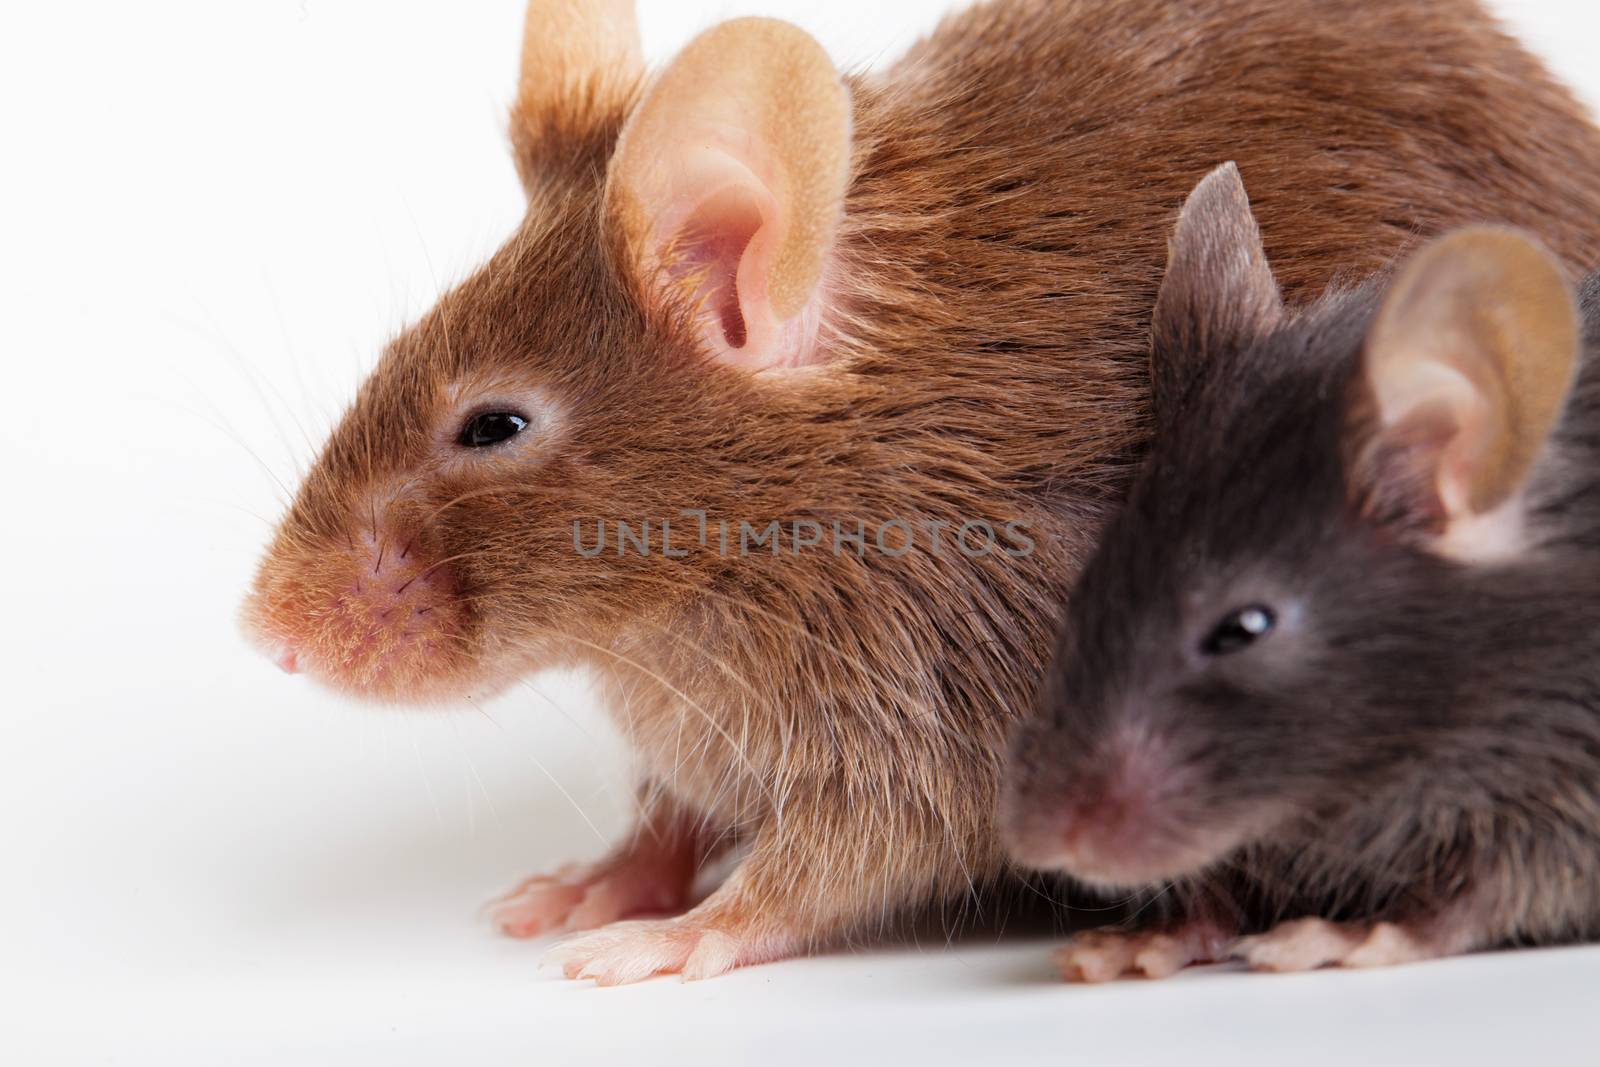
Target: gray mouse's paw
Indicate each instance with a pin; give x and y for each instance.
(1306, 944)
(1110, 953)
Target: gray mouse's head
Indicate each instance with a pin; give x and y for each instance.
(1278, 624)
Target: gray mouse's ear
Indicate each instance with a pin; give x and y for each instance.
(1218, 294)
(581, 60)
(1465, 373)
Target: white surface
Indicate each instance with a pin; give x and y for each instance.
(212, 216)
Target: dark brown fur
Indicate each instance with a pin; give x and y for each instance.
(984, 331)
(1417, 744)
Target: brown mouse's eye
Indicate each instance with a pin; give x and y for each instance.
(490, 428)
(1239, 630)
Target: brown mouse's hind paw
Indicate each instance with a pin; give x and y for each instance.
(1306, 944)
(1110, 953)
(537, 905)
(584, 896)
(695, 945)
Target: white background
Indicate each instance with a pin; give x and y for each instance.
(211, 217)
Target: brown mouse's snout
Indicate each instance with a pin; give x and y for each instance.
(379, 615)
(1115, 817)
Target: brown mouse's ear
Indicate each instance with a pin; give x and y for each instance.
(728, 185)
(580, 58)
(1465, 372)
(1218, 294)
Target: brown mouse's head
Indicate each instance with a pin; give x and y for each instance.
(1282, 623)
(652, 340)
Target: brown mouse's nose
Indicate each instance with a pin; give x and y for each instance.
(377, 615)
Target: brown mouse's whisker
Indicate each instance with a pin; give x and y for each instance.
(688, 701)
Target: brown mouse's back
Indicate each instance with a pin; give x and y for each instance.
(1018, 171)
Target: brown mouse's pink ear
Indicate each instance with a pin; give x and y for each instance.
(1218, 294)
(579, 59)
(728, 185)
(1465, 373)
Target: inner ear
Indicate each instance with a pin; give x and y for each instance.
(713, 249)
(1397, 468)
(1464, 374)
(727, 186)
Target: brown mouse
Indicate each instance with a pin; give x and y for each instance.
(849, 369)
(1332, 681)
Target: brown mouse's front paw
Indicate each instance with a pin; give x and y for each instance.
(1306, 944)
(584, 896)
(1110, 953)
(702, 944)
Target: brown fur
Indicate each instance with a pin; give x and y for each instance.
(984, 332)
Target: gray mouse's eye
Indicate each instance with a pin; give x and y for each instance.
(1239, 629)
(490, 428)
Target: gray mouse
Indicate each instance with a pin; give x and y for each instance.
(1330, 686)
